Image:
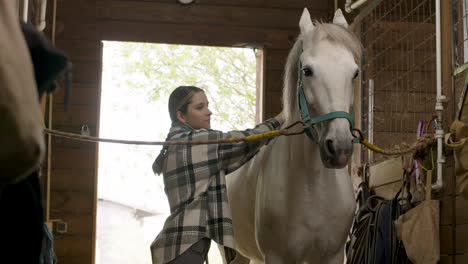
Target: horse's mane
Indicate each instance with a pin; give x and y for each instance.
(330, 32)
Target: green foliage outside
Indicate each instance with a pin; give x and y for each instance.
(226, 74)
(137, 72)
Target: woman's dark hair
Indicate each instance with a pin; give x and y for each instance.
(179, 100)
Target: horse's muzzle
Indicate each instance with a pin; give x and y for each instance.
(336, 153)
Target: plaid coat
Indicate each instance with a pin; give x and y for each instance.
(194, 179)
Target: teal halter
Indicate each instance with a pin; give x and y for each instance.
(310, 122)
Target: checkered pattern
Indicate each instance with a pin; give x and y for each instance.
(194, 178)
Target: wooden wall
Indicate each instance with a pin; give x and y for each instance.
(459, 220)
(399, 46)
(415, 82)
(80, 28)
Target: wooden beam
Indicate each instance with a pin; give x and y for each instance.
(196, 34)
(281, 4)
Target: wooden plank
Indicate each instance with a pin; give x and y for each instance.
(259, 85)
(83, 8)
(80, 50)
(460, 259)
(80, 94)
(276, 59)
(446, 210)
(196, 34)
(61, 142)
(75, 129)
(447, 57)
(172, 13)
(68, 247)
(71, 202)
(85, 259)
(65, 158)
(272, 103)
(77, 115)
(446, 241)
(290, 4)
(73, 180)
(274, 81)
(77, 224)
(77, 29)
(461, 239)
(87, 72)
(446, 259)
(449, 184)
(462, 214)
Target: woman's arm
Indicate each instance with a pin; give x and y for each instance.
(232, 156)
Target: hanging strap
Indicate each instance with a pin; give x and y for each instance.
(461, 101)
(454, 144)
(428, 185)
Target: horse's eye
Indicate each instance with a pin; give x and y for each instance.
(307, 72)
(356, 74)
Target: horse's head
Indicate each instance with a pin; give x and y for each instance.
(326, 57)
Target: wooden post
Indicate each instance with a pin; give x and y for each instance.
(447, 65)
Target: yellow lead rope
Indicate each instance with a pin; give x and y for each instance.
(266, 135)
(421, 143)
(370, 146)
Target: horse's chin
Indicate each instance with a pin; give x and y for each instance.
(335, 162)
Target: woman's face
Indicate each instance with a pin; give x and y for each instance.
(198, 115)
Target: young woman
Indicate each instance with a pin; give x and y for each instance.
(194, 179)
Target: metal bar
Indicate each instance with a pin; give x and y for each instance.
(24, 10)
(439, 107)
(49, 137)
(370, 122)
(42, 16)
(350, 7)
(365, 12)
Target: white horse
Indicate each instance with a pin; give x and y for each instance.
(294, 201)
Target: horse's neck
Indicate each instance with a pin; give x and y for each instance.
(301, 151)
(298, 158)
(301, 156)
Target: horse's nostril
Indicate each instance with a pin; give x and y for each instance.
(330, 148)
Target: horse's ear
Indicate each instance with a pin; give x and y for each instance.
(339, 19)
(305, 23)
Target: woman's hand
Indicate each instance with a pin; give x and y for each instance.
(279, 117)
